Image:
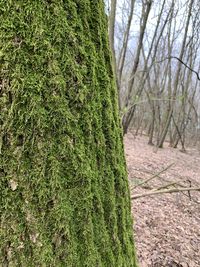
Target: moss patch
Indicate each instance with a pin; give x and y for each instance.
(65, 197)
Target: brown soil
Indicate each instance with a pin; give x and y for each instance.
(167, 226)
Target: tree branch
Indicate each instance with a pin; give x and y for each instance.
(154, 176)
(173, 57)
(166, 191)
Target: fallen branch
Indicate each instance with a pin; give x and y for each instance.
(154, 176)
(165, 186)
(167, 191)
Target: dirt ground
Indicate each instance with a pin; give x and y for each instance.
(167, 226)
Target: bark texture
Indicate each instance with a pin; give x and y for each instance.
(64, 190)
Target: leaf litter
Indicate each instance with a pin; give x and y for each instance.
(167, 226)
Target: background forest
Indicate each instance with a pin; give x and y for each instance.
(156, 57)
(157, 64)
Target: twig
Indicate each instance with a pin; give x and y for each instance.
(167, 191)
(165, 186)
(171, 57)
(189, 191)
(154, 176)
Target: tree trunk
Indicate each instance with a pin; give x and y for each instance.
(177, 77)
(111, 27)
(123, 51)
(64, 190)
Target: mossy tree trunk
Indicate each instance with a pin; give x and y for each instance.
(64, 191)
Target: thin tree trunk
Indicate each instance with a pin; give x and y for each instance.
(112, 20)
(125, 43)
(145, 16)
(176, 80)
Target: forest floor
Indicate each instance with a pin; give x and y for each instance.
(167, 226)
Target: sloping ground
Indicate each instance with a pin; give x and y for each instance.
(167, 226)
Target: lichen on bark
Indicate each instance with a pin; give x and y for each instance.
(64, 191)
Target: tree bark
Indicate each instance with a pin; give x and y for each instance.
(64, 190)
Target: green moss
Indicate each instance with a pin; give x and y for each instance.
(65, 197)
